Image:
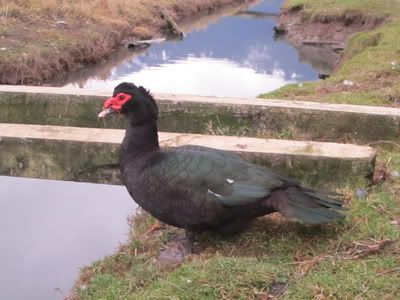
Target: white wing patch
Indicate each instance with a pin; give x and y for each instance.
(230, 181)
(215, 194)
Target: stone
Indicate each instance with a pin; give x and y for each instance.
(361, 193)
(91, 154)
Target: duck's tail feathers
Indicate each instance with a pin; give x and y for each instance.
(307, 205)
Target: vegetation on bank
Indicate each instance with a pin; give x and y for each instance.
(355, 259)
(358, 258)
(43, 39)
(370, 69)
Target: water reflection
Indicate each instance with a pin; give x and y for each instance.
(50, 229)
(236, 56)
(201, 75)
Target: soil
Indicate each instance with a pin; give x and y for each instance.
(323, 38)
(36, 49)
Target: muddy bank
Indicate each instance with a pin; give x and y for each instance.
(38, 46)
(321, 39)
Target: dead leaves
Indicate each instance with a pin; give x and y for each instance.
(305, 263)
(391, 271)
(365, 248)
(357, 250)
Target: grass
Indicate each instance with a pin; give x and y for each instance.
(371, 59)
(337, 7)
(43, 39)
(358, 258)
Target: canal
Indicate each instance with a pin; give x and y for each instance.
(237, 56)
(50, 229)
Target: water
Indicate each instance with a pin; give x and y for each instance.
(51, 229)
(236, 56)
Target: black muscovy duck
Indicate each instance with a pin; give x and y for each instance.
(199, 188)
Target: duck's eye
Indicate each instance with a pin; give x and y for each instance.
(121, 97)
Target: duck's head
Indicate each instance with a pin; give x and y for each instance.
(136, 103)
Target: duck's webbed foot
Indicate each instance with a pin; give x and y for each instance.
(175, 251)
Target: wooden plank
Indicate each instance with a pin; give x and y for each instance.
(85, 154)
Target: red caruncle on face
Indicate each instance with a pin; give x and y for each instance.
(117, 102)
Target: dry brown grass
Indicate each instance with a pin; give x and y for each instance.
(46, 38)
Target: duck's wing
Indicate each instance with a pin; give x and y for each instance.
(204, 174)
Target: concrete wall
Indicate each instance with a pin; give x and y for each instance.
(91, 155)
(210, 115)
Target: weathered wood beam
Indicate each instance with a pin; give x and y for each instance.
(91, 155)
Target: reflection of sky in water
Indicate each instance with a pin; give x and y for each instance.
(51, 229)
(236, 56)
(205, 76)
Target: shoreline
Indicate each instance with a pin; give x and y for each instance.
(362, 39)
(307, 34)
(37, 49)
(276, 258)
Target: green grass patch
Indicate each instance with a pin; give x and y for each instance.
(215, 278)
(306, 89)
(338, 7)
(357, 257)
(371, 59)
(349, 279)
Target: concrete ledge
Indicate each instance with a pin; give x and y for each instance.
(91, 155)
(198, 114)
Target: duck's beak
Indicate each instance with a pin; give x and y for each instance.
(106, 112)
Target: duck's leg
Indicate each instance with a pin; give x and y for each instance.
(234, 227)
(189, 239)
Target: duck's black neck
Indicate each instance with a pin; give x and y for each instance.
(141, 138)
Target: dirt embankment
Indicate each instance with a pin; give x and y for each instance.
(43, 40)
(321, 39)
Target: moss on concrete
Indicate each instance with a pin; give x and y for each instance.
(98, 163)
(206, 118)
(60, 160)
